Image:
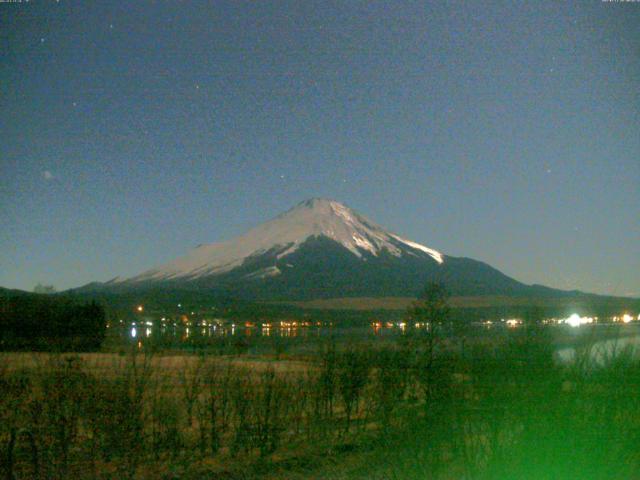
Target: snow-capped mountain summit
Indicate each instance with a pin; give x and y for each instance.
(282, 236)
(319, 249)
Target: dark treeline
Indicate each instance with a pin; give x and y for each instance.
(50, 323)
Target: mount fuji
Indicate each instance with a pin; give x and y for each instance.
(322, 249)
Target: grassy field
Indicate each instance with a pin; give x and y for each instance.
(414, 408)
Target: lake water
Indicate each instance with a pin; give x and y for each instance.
(602, 350)
(601, 341)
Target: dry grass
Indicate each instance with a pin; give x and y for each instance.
(105, 362)
(397, 411)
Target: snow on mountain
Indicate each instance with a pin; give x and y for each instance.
(283, 235)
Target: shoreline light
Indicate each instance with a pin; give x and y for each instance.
(575, 320)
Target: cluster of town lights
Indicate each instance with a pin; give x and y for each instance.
(574, 320)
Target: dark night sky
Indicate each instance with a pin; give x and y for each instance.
(508, 132)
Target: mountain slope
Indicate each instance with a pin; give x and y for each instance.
(284, 235)
(322, 249)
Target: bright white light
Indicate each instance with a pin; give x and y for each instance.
(576, 320)
(626, 318)
(573, 320)
(133, 332)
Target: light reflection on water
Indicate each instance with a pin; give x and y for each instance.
(218, 331)
(599, 351)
